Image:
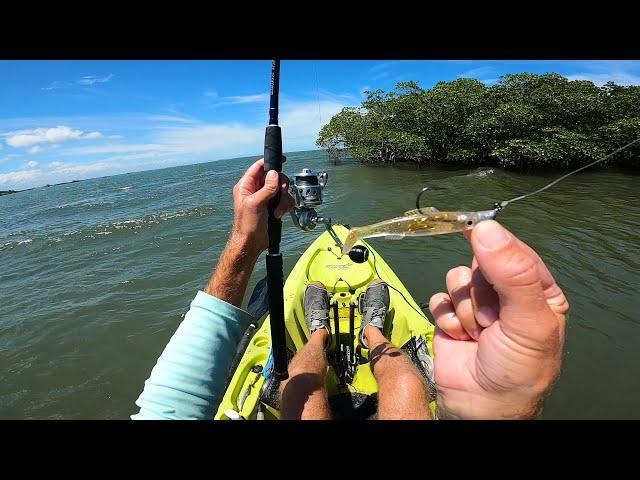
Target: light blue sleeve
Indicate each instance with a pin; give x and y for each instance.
(188, 379)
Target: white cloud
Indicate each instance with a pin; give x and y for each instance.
(136, 156)
(242, 99)
(622, 72)
(301, 121)
(489, 81)
(55, 85)
(480, 72)
(382, 70)
(59, 134)
(87, 80)
(621, 78)
(218, 101)
(32, 164)
(213, 138)
(34, 149)
(169, 118)
(20, 178)
(82, 169)
(118, 148)
(58, 173)
(171, 140)
(93, 135)
(92, 79)
(488, 75)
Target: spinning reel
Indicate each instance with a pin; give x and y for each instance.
(306, 188)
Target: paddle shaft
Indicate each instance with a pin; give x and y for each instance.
(275, 280)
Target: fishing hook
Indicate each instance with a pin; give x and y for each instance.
(421, 192)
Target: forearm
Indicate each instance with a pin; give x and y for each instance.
(189, 378)
(229, 280)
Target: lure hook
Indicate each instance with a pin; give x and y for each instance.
(421, 192)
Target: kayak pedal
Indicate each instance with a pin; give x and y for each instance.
(345, 359)
(336, 333)
(352, 361)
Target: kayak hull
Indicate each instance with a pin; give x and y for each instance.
(406, 326)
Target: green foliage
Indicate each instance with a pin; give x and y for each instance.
(523, 121)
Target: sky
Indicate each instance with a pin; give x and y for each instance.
(68, 120)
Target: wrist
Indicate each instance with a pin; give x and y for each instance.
(243, 248)
(229, 280)
(480, 407)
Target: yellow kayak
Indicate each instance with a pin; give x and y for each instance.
(252, 393)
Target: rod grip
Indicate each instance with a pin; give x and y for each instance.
(273, 161)
(273, 148)
(275, 285)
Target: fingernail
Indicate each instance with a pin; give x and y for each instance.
(272, 176)
(486, 316)
(491, 235)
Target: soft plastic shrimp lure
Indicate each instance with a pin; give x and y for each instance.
(429, 221)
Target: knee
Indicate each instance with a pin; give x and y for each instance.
(410, 384)
(301, 383)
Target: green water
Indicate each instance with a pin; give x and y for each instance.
(95, 276)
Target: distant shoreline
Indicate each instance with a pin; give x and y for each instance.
(9, 192)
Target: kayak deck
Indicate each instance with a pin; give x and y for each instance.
(323, 261)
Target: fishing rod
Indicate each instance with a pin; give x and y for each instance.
(275, 277)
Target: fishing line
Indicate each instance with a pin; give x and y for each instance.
(315, 69)
(507, 202)
(375, 269)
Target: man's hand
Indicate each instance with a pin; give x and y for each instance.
(499, 344)
(251, 197)
(249, 235)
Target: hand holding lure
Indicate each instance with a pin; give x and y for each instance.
(430, 221)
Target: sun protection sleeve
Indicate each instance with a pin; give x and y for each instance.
(188, 379)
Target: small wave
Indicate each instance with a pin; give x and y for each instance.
(91, 232)
(11, 245)
(124, 189)
(156, 218)
(483, 173)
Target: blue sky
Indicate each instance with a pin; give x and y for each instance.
(65, 120)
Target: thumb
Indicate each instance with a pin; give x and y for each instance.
(514, 273)
(269, 190)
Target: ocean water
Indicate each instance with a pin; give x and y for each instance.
(95, 276)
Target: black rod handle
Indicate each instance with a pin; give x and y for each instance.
(275, 285)
(273, 148)
(273, 161)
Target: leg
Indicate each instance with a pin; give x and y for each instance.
(402, 392)
(304, 393)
